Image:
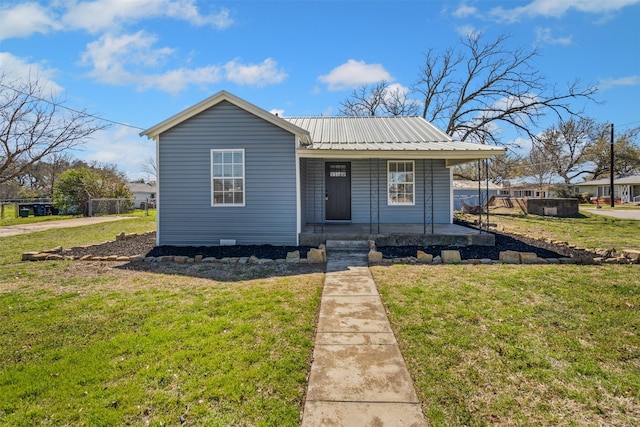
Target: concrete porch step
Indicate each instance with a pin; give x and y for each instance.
(347, 245)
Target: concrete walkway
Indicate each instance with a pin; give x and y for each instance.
(14, 230)
(358, 376)
(620, 213)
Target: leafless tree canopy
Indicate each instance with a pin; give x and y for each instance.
(34, 125)
(503, 168)
(379, 100)
(474, 90)
(626, 150)
(150, 167)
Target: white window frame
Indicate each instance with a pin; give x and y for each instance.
(243, 178)
(390, 201)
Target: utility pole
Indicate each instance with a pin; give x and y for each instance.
(611, 192)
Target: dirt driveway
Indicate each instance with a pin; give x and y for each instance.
(14, 230)
(622, 214)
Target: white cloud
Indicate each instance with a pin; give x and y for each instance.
(545, 36)
(261, 74)
(98, 16)
(111, 55)
(468, 31)
(107, 15)
(556, 9)
(15, 68)
(175, 81)
(119, 145)
(464, 11)
(354, 73)
(22, 20)
(610, 82)
(132, 60)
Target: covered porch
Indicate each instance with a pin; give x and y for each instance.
(397, 234)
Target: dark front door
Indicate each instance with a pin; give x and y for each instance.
(338, 191)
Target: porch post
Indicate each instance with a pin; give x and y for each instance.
(315, 213)
(480, 194)
(433, 220)
(424, 196)
(370, 198)
(378, 191)
(486, 171)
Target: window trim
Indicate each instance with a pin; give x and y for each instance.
(390, 202)
(244, 178)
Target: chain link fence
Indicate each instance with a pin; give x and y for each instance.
(99, 207)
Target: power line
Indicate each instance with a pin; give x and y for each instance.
(55, 104)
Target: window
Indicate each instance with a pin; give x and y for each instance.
(400, 183)
(227, 172)
(338, 171)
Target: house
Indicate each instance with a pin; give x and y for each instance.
(526, 190)
(473, 193)
(626, 188)
(230, 172)
(143, 193)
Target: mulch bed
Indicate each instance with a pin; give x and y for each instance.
(145, 244)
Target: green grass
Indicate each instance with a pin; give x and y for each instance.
(96, 344)
(10, 217)
(587, 231)
(11, 248)
(148, 348)
(519, 345)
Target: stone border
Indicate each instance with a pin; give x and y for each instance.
(314, 256)
(319, 256)
(630, 256)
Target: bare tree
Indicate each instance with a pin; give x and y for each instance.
(35, 125)
(626, 153)
(150, 167)
(567, 145)
(501, 168)
(382, 99)
(470, 92)
(538, 165)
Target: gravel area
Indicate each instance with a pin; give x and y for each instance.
(145, 244)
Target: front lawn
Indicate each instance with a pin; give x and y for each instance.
(100, 346)
(519, 345)
(587, 231)
(12, 247)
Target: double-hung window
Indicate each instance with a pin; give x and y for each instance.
(227, 175)
(400, 182)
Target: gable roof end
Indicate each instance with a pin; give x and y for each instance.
(154, 131)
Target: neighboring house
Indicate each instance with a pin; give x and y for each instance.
(625, 188)
(230, 172)
(526, 190)
(471, 193)
(143, 193)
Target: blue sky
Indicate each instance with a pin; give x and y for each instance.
(137, 62)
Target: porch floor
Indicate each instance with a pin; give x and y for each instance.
(397, 234)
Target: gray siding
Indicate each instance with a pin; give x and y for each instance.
(186, 216)
(369, 193)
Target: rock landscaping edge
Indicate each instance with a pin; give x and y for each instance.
(319, 256)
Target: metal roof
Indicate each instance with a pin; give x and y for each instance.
(380, 133)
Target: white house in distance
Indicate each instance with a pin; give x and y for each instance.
(625, 188)
(230, 172)
(143, 193)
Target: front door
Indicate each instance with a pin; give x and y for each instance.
(338, 191)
